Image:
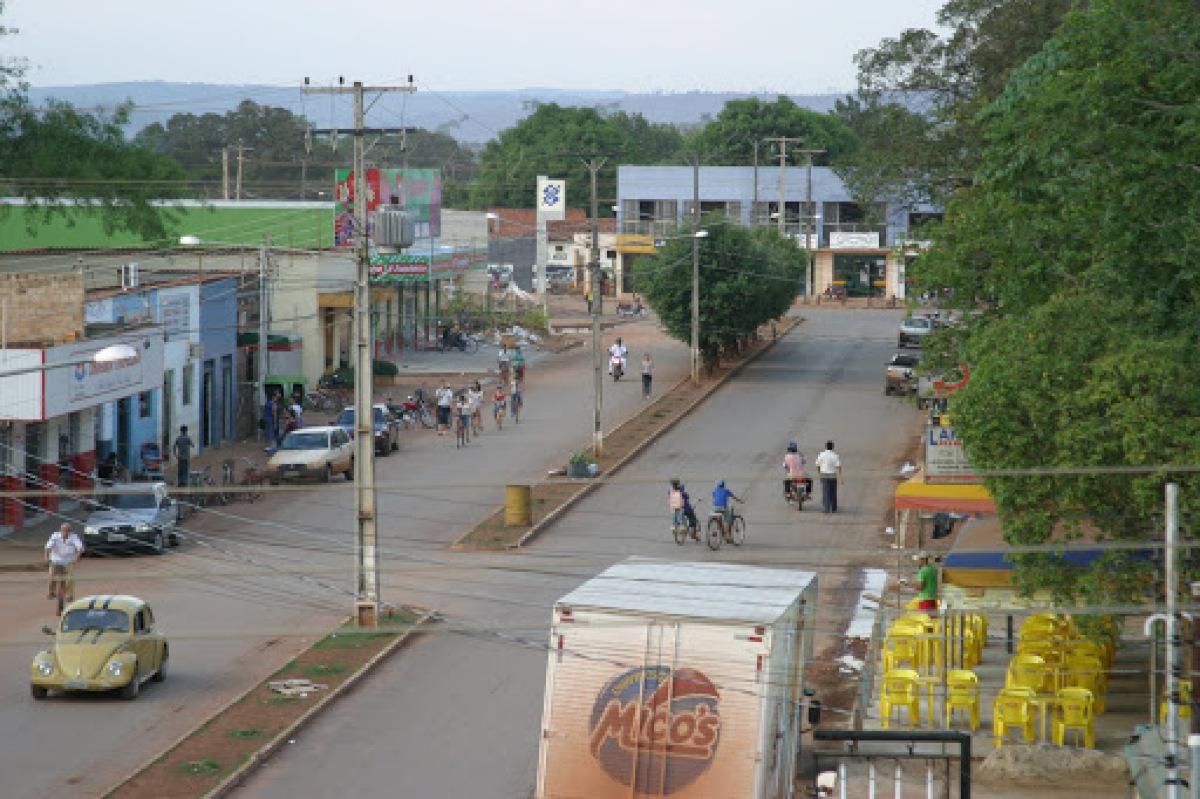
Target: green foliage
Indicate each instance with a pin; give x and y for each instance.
(550, 141)
(729, 139)
(919, 94)
(747, 278)
(1080, 241)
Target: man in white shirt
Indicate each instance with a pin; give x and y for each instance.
(618, 350)
(829, 466)
(445, 398)
(62, 550)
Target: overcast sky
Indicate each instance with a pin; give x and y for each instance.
(794, 46)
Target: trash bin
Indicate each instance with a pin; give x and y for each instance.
(517, 506)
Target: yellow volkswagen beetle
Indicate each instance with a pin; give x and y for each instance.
(103, 643)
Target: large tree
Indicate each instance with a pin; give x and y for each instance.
(553, 140)
(915, 114)
(1081, 244)
(729, 139)
(56, 155)
(747, 278)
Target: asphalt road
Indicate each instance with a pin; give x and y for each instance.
(458, 712)
(255, 583)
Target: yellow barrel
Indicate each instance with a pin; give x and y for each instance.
(516, 506)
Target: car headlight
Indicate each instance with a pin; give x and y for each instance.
(114, 668)
(144, 528)
(45, 668)
(90, 529)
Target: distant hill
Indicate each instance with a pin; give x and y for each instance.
(468, 116)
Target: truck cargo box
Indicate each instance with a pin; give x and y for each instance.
(676, 679)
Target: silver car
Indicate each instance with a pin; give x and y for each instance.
(137, 517)
(914, 329)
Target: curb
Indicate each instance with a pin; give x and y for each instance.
(260, 756)
(591, 486)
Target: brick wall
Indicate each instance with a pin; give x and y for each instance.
(42, 309)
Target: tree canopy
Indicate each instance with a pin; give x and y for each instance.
(729, 139)
(552, 140)
(747, 278)
(915, 114)
(1080, 240)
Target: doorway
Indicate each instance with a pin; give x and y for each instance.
(206, 406)
(168, 409)
(226, 397)
(123, 432)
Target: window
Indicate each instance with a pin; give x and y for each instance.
(189, 379)
(144, 405)
(610, 255)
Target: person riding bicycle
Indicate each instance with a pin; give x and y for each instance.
(793, 467)
(516, 401)
(682, 511)
(499, 402)
(720, 499)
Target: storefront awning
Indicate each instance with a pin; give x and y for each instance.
(916, 494)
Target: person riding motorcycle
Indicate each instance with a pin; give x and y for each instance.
(682, 511)
(793, 468)
(618, 352)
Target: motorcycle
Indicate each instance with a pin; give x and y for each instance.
(413, 411)
(798, 490)
(616, 367)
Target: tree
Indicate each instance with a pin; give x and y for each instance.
(729, 139)
(1080, 240)
(747, 278)
(283, 159)
(915, 113)
(550, 142)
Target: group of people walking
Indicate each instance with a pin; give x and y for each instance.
(280, 417)
(462, 410)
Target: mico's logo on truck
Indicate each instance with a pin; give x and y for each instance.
(670, 719)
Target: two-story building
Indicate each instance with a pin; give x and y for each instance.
(855, 248)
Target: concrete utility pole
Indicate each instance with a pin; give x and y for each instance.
(241, 158)
(264, 321)
(224, 173)
(754, 204)
(366, 543)
(810, 224)
(696, 271)
(594, 162)
(783, 142)
(1171, 579)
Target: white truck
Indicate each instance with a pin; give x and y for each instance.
(677, 679)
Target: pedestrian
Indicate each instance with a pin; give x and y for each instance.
(502, 361)
(518, 364)
(927, 577)
(182, 450)
(588, 296)
(475, 403)
(445, 399)
(269, 422)
(647, 375)
(829, 466)
(62, 551)
(297, 411)
(290, 423)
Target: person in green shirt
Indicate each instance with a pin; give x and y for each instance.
(927, 577)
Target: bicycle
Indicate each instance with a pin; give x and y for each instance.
(682, 526)
(228, 482)
(252, 480)
(516, 401)
(736, 534)
(460, 430)
(64, 582)
(498, 412)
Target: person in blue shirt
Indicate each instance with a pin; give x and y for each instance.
(720, 499)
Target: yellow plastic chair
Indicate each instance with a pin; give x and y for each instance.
(1185, 703)
(1091, 648)
(1073, 711)
(1085, 671)
(899, 688)
(1013, 708)
(962, 693)
(902, 650)
(1029, 671)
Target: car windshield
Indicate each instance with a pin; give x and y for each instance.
(905, 360)
(95, 619)
(918, 321)
(132, 501)
(379, 418)
(346, 418)
(305, 440)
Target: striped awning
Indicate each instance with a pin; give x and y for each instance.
(916, 494)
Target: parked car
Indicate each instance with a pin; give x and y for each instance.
(312, 452)
(103, 643)
(137, 517)
(387, 427)
(913, 329)
(900, 376)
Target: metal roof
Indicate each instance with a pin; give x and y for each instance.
(718, 591)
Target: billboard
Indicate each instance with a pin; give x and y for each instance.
(945, 458)
(418, 191)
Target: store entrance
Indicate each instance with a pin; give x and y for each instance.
(861, 275)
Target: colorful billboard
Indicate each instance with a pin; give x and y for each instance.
(418, 191)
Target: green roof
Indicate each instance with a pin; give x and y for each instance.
(303, 225)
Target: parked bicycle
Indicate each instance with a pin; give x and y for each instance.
(323, 399)
(717, 531)
(248, 486)
(463, 342)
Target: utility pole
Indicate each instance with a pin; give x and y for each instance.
(594, 162)
(754, 204)
(696, 271)
(783, 142)
(241, 158)
(225, 173)
(810, 225)
(1171, 579)
(264, 322)
(366, 543)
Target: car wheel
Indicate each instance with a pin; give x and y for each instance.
(326, 474)
(161, 674)
(38, 692)
(395, 444)
(173, 538)
(350, 471)
(133, 687)
(156, 545)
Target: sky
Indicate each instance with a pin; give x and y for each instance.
(788, 46)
